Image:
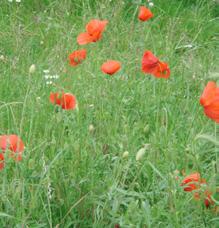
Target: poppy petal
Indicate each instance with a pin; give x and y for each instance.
(77, 57)
(1, 162)
(162, 70)
(96, 26)
(16, 144)
(191, 182)
(208, 94)
(111, 67)
(212, 114)
(144, 13)
(55, 98)
(149, 62)
(68, 101)
(84, 38)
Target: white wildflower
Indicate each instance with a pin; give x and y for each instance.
(45, 71)
(151, 4)
(49, 82)
(56, 76)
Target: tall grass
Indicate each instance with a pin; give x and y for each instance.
(71, 177)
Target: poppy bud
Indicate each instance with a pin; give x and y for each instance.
(2, 58)
(141, 152)
(32, 69)
(91, 128)
(125, 154)
(1, 161)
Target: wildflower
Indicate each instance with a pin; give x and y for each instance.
(210, 101)
(111, 67)
(151, 4)
(12, 143)
(66, 100)
(94, 30)
(77, 57)
(208, 199)
(192, 182)
(56, 76)
(125, 154)
(206, 195)
(32, 69)
(49, 82)
(144, 13)
(46, 71)
(152, 65)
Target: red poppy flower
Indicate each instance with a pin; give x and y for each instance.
(192, 182)
(152, 65)
(162, 70)
(149, 62)
(96, 27)
(66, 100)
(94, 30)
(1, 161)
(206, 195)
(84, 38)
(76, 57)
(208, 199)
(13, 143)
(210, 101)
(144, 13)
(111, 67)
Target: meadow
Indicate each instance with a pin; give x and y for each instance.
(73, 171)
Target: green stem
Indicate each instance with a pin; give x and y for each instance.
(216, 148)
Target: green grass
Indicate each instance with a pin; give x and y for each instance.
(92, 185)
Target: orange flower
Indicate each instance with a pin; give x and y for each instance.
(66, 100)
(210, 101)
(1, 161)
(94, 30)
(76, 57)
(152, 65)
(111, 67)
(192, 182)
(144, 13)
(13, 143)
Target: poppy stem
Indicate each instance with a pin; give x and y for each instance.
(216, 147)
